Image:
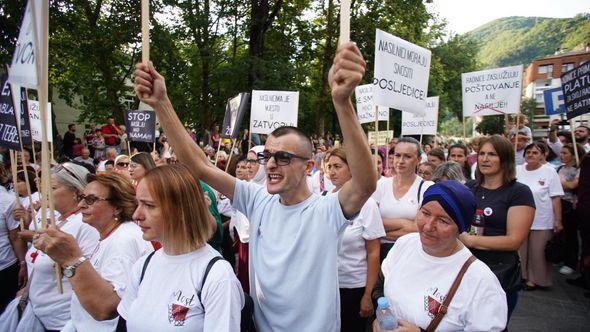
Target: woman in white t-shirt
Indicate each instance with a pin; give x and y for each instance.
(417, 274)
(545, 185)
(164, 292)
(100, 279)
(399, 197)
(51, 308)
(358, 255)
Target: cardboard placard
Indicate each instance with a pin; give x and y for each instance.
(422, 125)
(273, 109)
(23, 70)
(576, 90)
(382, 137)
(8, 126)
(234, 115)
(35, 121)
(365, 108)
(492, 92)
(140, 125)
(402, 70)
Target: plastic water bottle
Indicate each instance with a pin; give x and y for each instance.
(385, 317)
(478, 223)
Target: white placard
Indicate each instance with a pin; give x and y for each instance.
(382, 137)
(401, 74)
(35, 117)
(365, 107)
(492, 92)
(23, 70)
(273, 109)
(422, 125)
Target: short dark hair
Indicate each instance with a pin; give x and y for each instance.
(110, 162)
(144, 159)
(438, 153)
(305, 140)
(539, 145)
(71, 125)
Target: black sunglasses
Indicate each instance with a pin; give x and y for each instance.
(282, 158)
(90, 199)
(122, 164)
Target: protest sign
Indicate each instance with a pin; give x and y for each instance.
(553, 99)
(234, 114)
(8, 126)
(492, 92)
(401, 74)
(365, 108)
(422, 125)
(273, 109)
(576, 90)
(382, 137)
(35, 121)
(141, 125)
(23, 70)
(22, 108)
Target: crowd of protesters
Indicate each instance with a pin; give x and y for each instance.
(289, 232)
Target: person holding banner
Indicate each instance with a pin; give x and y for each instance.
(508, 211)
(99, 282)
(293, 233)
(50, 307)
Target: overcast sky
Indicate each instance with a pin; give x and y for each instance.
(466, 15)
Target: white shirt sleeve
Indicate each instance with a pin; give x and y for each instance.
(222, 299)
(131, 289)
(487, 309)
(555, 188)
(371, 221)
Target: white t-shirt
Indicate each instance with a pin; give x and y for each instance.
(293, 259)
(352, 255)
(314, 181)
(545, 184)
(112, 259)
(24, 201)
(167, 300)
(405, 207)
(416, 284)
(51, 307)
(7, 224)
(237, 219)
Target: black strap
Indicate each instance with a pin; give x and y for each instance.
(324, 192)
(559, 168)
(207, 269)
(145, 265)
(419, 191)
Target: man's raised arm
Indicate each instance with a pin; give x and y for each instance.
(150, 88)
(346, 73)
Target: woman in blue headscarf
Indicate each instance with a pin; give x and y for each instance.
(417, 275)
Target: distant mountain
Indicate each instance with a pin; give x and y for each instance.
(519, 40)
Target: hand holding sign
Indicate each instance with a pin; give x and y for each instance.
(150, 86)
(346, 73)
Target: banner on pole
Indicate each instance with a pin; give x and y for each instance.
(576, 90)
(492, 92)
(234, 115)
(422, 125)
(365, 108)
(23, 70)
(273, 109)
(35, 121)
(553, 99)
(8, 125)
(401, 74)
(141, 125)
(381, 136)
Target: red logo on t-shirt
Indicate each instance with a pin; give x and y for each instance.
(177, 314)
(433, 306)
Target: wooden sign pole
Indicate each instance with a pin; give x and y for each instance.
(344, 22)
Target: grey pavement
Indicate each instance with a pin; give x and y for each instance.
(562, 307)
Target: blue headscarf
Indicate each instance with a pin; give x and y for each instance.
(456, 199)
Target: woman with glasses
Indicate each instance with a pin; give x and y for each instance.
(45, 303)
(140, 164)
(100, 279)
(122, 165)
(545, 185)
(358, 255)
(257, 173)
(508, 209)
(165, 292)
(399, 197)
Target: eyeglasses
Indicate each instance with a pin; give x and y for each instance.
(282, 158)
(90, 199)
(122, 164)
(134, 165)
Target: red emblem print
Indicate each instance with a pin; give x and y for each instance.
(177, 314)
(433, 306)
(542, 182)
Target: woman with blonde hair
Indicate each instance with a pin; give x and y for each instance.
(168, 288)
